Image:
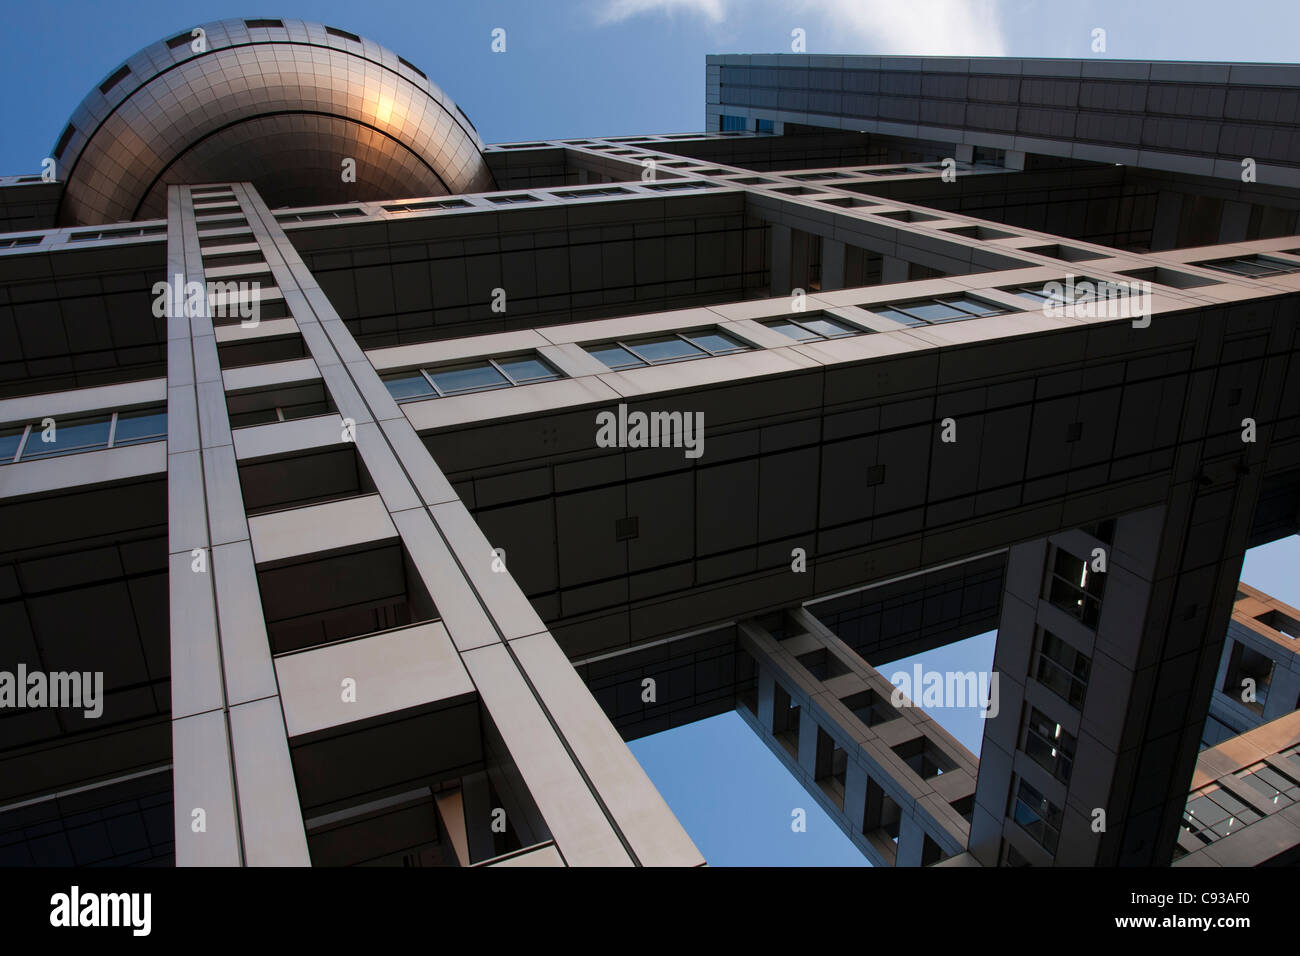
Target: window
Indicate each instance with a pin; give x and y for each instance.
(71, 435)
(508, 200)
(323, 214)
(121, 74)
(950, 308)
(265, 24)
(925, 758)
(1073, 290)
(1062, 669)
(342, 34)
(1013, 857)
(117, 233)
(674, 187)
(1277, 791)
(818, 177)
(1040, 818)
(870, 708)
(764, 126)
(144, 425)
(415, 69)
(20, 241)
(1213, 812)
(432, 204)
(1075, 589)
(1252, 267)
(463, 378)
(64, 139)
(1246, 664)
(731, 123)
(814, 328)
(662, 349)
(1049, 745)
(589, 193)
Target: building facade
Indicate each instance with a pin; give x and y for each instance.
(390, 481)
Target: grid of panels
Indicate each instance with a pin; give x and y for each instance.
(131, 831)
(279, 111)
(1213, 813)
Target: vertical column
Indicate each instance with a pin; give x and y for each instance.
(595, 799)
(235, 798)
(781, 239)
(832, 264)
(1169, 212)
(1119, 658)
(893, 269)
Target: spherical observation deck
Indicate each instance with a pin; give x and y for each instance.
(278, 103)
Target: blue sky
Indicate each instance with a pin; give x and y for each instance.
(610, 67)
(615, 67)
(734, 797)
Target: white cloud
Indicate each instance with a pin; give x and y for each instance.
(915, 27)
(918, 27)
(615, 11)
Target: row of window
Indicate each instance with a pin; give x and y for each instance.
(52, 437)
(529, 369)
(616, 354)
(1065, 671)
(1080, 598)
(737, 124)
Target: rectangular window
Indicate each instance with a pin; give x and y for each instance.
(764, 126)
(949, 308)
(666, 348)
(11, 440)
(136, 427)
(121, 74)
(1050, 746)
(1213, 813)
(1249, 676)
(1275, 788)
(69, 436)
(1073, 588)
(1081, 289)
(1038, 817)
(731, 123)
(1251, 267)
(466, 377)
(591, 193)
(677, 187)
(815, 327)
(432, 204)
(1062, 669)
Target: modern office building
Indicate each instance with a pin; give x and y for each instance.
(390, 481)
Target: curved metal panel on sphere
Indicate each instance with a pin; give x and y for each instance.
(279, 106)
